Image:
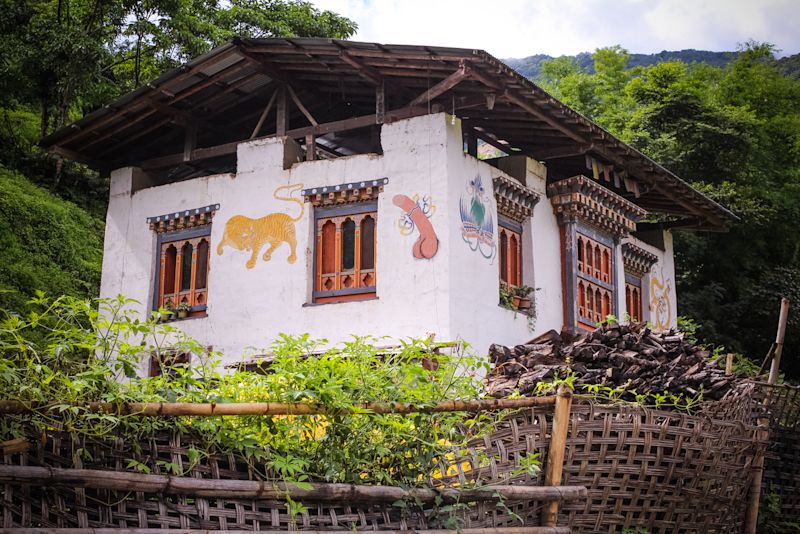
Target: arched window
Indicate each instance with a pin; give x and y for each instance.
(510, 252)
(345, 252)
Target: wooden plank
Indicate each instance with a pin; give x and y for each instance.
(190, 141)
(555, 454)
(282, 119)
(75, 156)
(311, 147)
(441, 87)
(563, 152)
(264, 114)
(300, 106)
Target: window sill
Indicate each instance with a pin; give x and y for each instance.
(363, 299)
(181, 319)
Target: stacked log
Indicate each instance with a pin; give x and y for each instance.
(629, 356)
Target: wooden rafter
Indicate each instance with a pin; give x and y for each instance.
(300, 106)
(264, 114)
(443, 86)
(320, 129)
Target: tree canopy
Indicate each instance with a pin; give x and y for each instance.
(733, 132)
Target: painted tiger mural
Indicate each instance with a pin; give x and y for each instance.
(244, 233)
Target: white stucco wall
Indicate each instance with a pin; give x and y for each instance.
(453, 295)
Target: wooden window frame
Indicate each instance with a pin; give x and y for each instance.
(634, 301)
(364, 280)
(196, 297)
(594, 278)
(510, 230)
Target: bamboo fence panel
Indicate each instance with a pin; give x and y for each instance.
(782, 459)
(656, 470)
(494, 460)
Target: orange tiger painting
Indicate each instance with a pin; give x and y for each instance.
(244, 233)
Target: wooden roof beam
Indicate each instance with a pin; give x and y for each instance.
(564, 152)
(320, 129)
(443, 86)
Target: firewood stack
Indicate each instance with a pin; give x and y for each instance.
(630, 356)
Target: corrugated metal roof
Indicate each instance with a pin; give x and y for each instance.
(226, 89)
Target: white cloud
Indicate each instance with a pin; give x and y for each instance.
(517, 28)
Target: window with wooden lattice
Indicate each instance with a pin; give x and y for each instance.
(595, 279)
(344, 255)
(182, 277)
(633, 298)
(510, 255)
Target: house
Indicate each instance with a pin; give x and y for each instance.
(333, 187)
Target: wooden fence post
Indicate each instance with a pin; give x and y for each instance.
(751, 518)
(555, 454)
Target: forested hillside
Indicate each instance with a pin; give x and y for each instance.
(61, 59)
(531, 66)
(729, 124)
(735, 133)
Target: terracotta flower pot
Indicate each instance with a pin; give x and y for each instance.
(183, 314)
(515, 302)
(524, 303)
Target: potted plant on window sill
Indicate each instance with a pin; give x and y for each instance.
(507, 297)
(183, 310)
(168, 311)
(523, 294)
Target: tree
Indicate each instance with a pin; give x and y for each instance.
(733, 132)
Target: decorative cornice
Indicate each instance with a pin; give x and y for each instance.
(331, 195)
(514, 200)
(579, 198)
(181, 220)
(637, 261)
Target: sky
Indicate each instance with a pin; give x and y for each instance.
(520, 28)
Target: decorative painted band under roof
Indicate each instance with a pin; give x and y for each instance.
(514, 200)
(344, 193)
(579, 197)
(637, 261)
(180, 220)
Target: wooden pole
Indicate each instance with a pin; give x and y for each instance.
(263, 116)
(555, 455)
(751, 517)
(729, 364)
(254, 489)
(776, 357)
(275, 408)
(497, 530)
(311, 147)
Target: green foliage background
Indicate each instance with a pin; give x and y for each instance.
(733, 132)
(61, 59)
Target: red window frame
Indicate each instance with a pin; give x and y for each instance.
(510, 242)
(345, 253)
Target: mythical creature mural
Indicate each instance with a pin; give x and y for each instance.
(418, 211)
(477, 222)
(244, 233)
(660, 303)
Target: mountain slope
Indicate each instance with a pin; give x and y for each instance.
(530, 66)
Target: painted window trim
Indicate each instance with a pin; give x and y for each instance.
(164, 238)
(580, 229)
(368, 207)
(515, 229)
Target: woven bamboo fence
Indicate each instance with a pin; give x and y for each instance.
(661, 471)
(782, 460)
